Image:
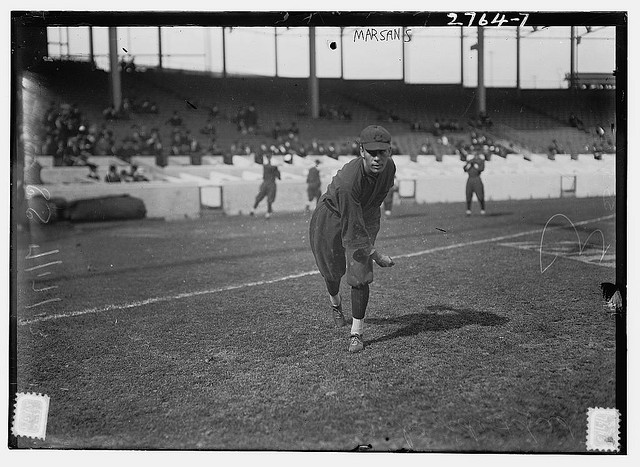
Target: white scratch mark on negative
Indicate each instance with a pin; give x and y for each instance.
(168, 298)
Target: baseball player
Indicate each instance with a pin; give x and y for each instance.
(313, 185)
(474, 167)
(345, 223)
(267, 187)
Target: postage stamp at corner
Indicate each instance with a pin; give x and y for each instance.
(602, 429)
(30, 416)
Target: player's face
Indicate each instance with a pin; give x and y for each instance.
(375, 160)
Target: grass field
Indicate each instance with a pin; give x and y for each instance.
(490, 334)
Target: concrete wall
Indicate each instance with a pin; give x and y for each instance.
(435, 182)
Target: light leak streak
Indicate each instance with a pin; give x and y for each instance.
(43, 266)
(44, 302)
(581, 246)
(40, 255)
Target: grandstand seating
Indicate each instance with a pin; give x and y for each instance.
(532, 118)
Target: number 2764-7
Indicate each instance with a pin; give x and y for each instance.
(498, 20)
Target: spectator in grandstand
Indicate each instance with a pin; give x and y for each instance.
(345, 114)
(576, 122)
(314, 185)
(436, 128)
(214, 111)
(124, 176)
(294, 130)
(93, 174)
(417, 126)
(191, 142)
(153, 144)
(474, 167)
(425, 148)
(555, 148)
(136, 174)
(209, 128)
(104, 145)
(331, 150)
(50, 116)
(175, 120)
(110, 113)
(112, 176)
(49, 146)
(267, 189)
(302, 111)
(277, 132)
(147, 106)
(251, 118)
(127, 150)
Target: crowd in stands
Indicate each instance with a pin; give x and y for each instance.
(72, 140)
(331, 112)
(134, 174)
(482, 145)
(246, 120)
(438, 127)
(481, 121)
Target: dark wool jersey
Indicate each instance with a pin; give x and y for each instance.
(314, 176)
(356, 198)
(270, 173)
(474, 167)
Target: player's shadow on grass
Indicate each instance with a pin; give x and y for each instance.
(434, 318)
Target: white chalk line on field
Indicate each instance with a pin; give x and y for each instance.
(168, 298)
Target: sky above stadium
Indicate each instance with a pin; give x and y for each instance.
(421, 55)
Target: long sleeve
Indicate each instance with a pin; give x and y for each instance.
(354, 229)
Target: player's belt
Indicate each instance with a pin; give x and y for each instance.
(330, 207)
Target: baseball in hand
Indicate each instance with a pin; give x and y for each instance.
(384, 261)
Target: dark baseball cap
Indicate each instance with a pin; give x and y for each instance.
(375, 137)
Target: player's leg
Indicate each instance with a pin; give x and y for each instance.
(271, 197)
(310, 195)
(359, 276)
(480, 195)
(326, 246)
(262, 192)
(469, 195)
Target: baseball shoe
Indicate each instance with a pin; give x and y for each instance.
(387, 213)
(338, 316)
(356, 344)
(468, 212)
(267, 215)
(482, 212)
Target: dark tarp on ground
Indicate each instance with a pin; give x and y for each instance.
(106, 208)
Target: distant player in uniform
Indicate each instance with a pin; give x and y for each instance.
(313, 185)
(388, 201)
(268, 187)
(345, 224)
(474, 167)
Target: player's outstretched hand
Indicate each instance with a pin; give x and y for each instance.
(383, 261)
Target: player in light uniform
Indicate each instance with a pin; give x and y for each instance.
(474, 167)
(345, 224)
(267, 187)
